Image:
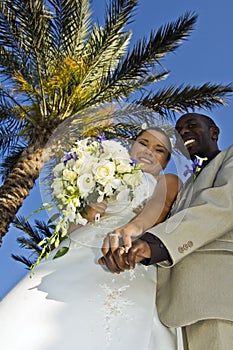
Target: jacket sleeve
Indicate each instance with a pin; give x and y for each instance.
(207, 223)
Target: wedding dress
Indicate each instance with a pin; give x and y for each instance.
(73, 303)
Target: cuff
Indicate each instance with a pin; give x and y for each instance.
(158, 250)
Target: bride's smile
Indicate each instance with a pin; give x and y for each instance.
(152, 150)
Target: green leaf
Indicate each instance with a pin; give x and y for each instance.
(53, 218)
(62, 251)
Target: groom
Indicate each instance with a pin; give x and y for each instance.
(194, 246)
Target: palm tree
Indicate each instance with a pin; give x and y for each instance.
(55, 62)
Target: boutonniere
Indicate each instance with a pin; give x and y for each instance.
(198, 165)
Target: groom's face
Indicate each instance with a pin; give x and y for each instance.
(151, 150)
(200, 138)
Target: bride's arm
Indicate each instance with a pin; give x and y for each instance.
(154, 212)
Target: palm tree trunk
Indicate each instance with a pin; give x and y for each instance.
(21, 179)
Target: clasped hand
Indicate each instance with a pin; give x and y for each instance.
(123, 248)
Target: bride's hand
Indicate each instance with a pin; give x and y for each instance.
(122, 237)
(119, 261)
(94, 211)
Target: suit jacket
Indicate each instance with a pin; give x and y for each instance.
(199, 237)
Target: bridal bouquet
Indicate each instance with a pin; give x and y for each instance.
(93, 170)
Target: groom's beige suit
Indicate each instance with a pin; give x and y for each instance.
(198, 285)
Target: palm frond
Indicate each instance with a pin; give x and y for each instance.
(24, 29)
(37, 232)
(9, 138)
(9, 61)
(43, 228)
(22, 224)
(109, 42)
(30, 29)
(141, 66)
(28, 244)
(11, 126)
(169, 37)
(148, 52)
(105, 47)
(33, 235)
(70, 26)
(24, 260)
(173, 99)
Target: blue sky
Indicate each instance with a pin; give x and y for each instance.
(207, 56)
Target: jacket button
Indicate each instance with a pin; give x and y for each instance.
(190, 244)
(180, 249)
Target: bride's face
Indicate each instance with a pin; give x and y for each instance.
(151, 149)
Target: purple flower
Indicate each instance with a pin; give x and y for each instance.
(134, 161)
(69, 156)
(198, 165)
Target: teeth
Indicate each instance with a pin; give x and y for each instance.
(189, 141)
(145, 160)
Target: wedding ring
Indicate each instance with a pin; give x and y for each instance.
(97, 217)
(112, 234)
(122, 250)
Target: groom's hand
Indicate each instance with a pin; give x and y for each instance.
(118, 260)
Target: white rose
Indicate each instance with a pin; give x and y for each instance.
(81, 144)
(82, 154)
(86, 184)
(104, 170)
(69, 175)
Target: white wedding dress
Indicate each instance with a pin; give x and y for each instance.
(75, 304)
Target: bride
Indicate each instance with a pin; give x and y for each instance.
(74, 303)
